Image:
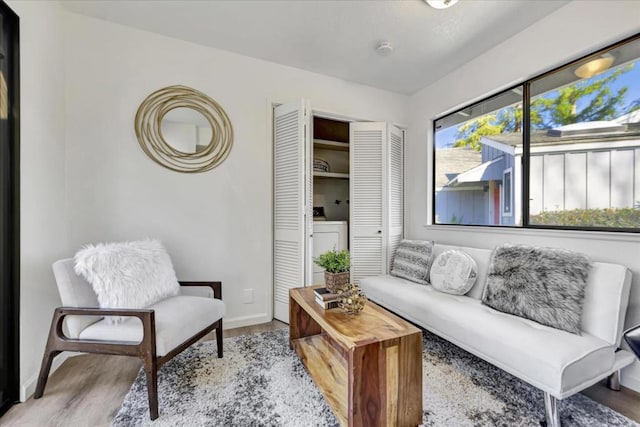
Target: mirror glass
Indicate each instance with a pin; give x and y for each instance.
(186, 130)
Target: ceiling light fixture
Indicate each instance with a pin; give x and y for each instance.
(595, 66)
(441, 4)
(384, 48)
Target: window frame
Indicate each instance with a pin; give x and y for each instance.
(505, 199)
(526, 152)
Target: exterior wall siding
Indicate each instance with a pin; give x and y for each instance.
(462, 207)
(586, 180)
(490, 153)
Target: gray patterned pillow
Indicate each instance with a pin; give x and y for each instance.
(412, 260)
(545, 285)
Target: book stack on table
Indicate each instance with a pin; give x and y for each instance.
(326, 299)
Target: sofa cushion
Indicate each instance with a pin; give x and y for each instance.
(550, 359)
(453, 272)
(605, 301)
(128, 274)
(177, 319)
(412, 260)
(542, 284)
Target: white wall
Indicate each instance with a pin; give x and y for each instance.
(42, 175)
(216, 225)
(572, 31)
(85, 179)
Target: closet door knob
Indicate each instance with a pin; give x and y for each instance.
(379, 231)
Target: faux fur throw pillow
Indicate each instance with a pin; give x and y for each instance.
(412, 260)
(129, 274)
(542, 284)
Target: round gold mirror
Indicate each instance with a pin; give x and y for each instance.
(183, 129)
(186, 130)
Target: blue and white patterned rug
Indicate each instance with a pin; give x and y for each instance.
(261, 382)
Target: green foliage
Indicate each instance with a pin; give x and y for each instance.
(334, 261)
(550, 112)
(504, 121)
(611, 218)
(635, 105)
(470, 133)
(562, 109)
(455, 220)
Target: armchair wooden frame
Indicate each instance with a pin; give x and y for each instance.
(145, 349)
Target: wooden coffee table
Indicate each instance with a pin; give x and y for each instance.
(368, 366)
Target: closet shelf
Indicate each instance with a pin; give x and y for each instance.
(330, 175)
(331, 145)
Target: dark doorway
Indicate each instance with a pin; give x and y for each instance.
(9, 206)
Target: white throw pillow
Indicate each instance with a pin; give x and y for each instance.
(453, 272)
(128, 274)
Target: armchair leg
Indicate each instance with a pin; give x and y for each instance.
(47, 360)
(51, 350)
(148, 345)
(151, 369)
(219, 338)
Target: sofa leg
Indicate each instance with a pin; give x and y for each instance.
(613, 381)
(551, 410)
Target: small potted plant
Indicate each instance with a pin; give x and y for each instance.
(336, 266)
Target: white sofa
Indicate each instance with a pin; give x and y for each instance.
(557, 362)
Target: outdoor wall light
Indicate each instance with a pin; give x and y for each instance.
(595, 66)
(384, 48)
(441, 4)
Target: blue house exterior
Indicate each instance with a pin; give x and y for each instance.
(591, 165)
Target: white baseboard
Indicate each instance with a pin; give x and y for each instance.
(28, 387)
(238, 322)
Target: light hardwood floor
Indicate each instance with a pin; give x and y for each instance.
(88, 390)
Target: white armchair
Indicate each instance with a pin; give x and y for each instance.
(154, 334)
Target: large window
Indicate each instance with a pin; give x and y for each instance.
(561, 150)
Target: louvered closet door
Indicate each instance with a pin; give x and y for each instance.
(395, 175)
(367, 199)
(290, 186)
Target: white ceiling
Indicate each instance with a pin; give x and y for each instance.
(336, 38)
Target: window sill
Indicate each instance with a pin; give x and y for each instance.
(538, 232)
